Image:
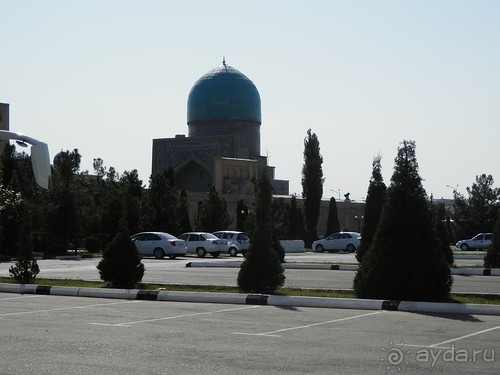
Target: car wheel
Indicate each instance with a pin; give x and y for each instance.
(215, 255)
(464, 247)
(351, 248)
(233, 251)
(172, 256)
(201, 252)
(320, 248)
(158, 253)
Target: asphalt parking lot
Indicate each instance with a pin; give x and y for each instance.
(70, 335)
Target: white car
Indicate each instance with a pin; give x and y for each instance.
(237, 242)
(202, 243)
(159, 245)
(479, 241)
(346, 241)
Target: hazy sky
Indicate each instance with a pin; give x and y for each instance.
(109, 76)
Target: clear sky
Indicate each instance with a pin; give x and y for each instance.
(109, 76)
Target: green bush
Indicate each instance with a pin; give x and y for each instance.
(121, 265)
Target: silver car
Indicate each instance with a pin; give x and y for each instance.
(479, 241)
(202, 243)
(346, 241)
(237, 242)
(159, 245)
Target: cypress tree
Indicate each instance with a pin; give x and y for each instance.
(404, 261)
(261, 271)
(332, 223)
(293, 220)
(373, 208)
(185, 223)
(492, 258)
(442, 234)
(212, 214)
(312, 185)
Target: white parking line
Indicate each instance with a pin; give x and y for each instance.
(464, 337)
(66, 308)
(438, 345)
(128, 324)
(273, 333)
(10, 298)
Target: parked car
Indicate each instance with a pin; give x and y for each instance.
(347, 241)
(159, 245)
(202, 243)
(479, 241)
(237, 242)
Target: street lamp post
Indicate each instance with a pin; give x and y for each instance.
(40, 159)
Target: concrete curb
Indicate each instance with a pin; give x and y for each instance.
(342, 267)
(255, 299)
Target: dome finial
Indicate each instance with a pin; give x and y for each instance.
(224, 61)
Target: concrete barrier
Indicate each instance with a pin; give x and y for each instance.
(257, 299)
(108, 293)
(448, 308)
(225, 298)
(339, 303)
(293, 246)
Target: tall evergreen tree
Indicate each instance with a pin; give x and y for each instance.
(64, 218)
(131, 193)
(373, 208)
(312, 185)
(164, 200)
(492, 258)
(293, 220)
(212, 214)
(404, 262)
(241, 215)
(332, 223)
(280, 212)
(442, 233)
(185, 223)
(261, 271)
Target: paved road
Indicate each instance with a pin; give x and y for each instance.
(175, 272)
(70, 335)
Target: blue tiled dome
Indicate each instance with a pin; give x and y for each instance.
(223, 93)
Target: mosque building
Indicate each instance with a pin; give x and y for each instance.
(222, 148)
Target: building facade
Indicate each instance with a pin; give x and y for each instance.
(222, 148)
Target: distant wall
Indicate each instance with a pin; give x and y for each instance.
(293, 246)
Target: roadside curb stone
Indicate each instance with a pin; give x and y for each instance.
(255, 299)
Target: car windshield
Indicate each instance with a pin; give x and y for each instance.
(210, 236)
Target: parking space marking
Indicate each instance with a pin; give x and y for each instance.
(273, 333)
(128, 324)
(10, 298)
(66, 308)
(465, 336)
(438, 345)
